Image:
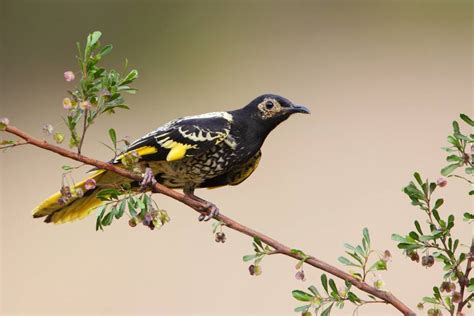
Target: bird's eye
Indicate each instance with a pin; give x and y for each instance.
(269, 105)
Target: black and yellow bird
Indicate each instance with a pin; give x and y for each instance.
(202, 151)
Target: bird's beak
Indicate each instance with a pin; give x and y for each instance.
(298, 109)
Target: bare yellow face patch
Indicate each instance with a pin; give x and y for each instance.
(269, 107)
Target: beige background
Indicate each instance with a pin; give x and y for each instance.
(383, 79)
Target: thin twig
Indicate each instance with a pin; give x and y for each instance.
(230, 223)
(12, 145)
(465, 278)
(84, 129)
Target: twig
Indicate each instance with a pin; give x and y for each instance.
(230, 223)
(84, 129)
(465, 278)
(12, 145)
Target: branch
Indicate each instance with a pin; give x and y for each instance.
(200, 207)
(465, 278)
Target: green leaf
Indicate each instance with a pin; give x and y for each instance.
(437, 293)
(409, 246)
(438, 203)
(432, 187)
(350, 247)
(140, 205)
(417, 177)
(108, 219)
(356, 257)
(113, 137)
(248, 257)
(430, 300)
(346, 261)
(120, 210)
(398, 238)
(327, 311)
(418, 227)
(453, 158)
(456, 127)
(314, 290)
(414, 235)
(426, 237)
(131, 208)
(302, 309)
(468, 216)
(360, 251)
(467, 119)
(258, 241)
(101, 211)
(449, 169)
(379, 265)
(108, 194)
(436, 215)
(324, 282)
(67, 168)
(93, 38)
(132, 75)
(105, 50)
(469, 170)
(353, 297)
(365, 232)
(333, 287)
(302, 296)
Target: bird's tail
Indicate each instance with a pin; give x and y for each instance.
(75, 207)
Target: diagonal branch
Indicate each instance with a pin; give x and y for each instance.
(232, 224)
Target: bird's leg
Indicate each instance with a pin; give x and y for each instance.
(148, 179)
(209, 211)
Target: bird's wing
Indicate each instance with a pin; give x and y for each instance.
(184, 137)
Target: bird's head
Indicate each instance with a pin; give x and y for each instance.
(270, 110)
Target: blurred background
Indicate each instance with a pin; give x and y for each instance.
(383, 79)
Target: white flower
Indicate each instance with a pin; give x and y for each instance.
(48, 129)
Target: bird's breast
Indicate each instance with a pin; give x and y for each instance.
(196, 169)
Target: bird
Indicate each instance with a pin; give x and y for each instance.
(200, 151)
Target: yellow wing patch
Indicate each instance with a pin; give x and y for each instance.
(177, 150)
(142, 151)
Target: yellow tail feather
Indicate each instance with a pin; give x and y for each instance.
(75, 208)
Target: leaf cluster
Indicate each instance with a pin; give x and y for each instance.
(359, 257)
(141, 209)
(434, 237)
(99, 90)
(322, 304)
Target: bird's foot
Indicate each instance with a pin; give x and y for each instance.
(208, 210)
(211, 211)
(148, 180)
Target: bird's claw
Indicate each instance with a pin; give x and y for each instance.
(148, 179)
(211, 211)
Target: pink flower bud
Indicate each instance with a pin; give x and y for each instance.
(441, 182)
(300, 275)
(69, 76)
(90, 184)
(85, 105)
(386, 255)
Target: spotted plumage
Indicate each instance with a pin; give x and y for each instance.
(202, 151)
